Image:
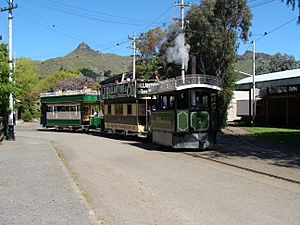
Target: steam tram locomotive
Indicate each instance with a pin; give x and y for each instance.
(175, 112)
(186, 112)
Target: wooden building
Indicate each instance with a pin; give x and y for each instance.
(278, 103)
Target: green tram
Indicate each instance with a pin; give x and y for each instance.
(185, 114)
(126, 107)
(71, 109)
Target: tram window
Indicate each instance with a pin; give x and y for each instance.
(129, 109)
(72, 108)
(195, 99)
(165, 102)
(199, 99)
(214, 101)
(172, 102)
(119, 109)
(182, 100)
(50, 109)
(109, 109)
(203, 100)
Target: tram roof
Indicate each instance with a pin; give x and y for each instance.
(191, 81)
(69, 92)
(283, 78)
(70, 96)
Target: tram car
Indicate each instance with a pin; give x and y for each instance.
(126, 107)
(79, 109)
(185, 113)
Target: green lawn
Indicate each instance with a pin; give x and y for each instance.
(288, 137)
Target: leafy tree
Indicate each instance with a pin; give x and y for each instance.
(51, 81)
(6, 87)
(148, 46)
(78, 83)
(4, 84)
(276, 63)
(293, 4)
(149, 43)
(27, 78)
(214, 29)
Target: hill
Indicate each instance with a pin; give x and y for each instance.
(87, 60)
(245, 61)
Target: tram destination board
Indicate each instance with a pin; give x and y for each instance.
(115, 91)
(133, 89)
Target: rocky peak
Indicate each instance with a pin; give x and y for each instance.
(83, 46)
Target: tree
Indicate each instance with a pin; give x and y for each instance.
(214, 29)
(51, 81)
(27, 78)
(293, 4)
(6, 87)
(4, 84)
(78, 83)
(276, 63)
(148, 45)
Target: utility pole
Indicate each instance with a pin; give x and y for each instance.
(133, 38)
(11, 132)
(253, 86)
(182, 5)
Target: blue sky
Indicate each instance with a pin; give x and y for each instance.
(52, 28)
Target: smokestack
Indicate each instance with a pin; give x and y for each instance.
(192, 64)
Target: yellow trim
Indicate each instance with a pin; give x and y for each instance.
(125, 127)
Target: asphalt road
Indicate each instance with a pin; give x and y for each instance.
(131, 183)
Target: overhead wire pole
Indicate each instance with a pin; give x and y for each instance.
(182, 5)
(253, 81)
(133, 38)
(11, 132)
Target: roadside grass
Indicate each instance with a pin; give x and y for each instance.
(283, 136)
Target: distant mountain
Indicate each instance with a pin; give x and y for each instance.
(245, 61)
(87, 60)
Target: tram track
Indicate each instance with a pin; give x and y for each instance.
(244, 168)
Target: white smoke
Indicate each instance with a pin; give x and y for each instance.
(179, 52)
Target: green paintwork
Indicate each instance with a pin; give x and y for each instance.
(95, 121)
(199, 121)
(70, 98)
(182, 121)
(163, 120)
(58, 122)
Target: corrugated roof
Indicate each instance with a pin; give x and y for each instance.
(288, 77)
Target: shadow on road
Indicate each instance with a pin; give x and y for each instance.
(229, 146)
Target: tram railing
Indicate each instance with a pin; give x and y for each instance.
(194, 79)
(1, 129)
(69, 92)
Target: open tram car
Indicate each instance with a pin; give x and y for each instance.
(71, 109)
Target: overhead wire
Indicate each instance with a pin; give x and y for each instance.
(97, 12)
(56, 29)
(90, 17)
(262, 3)
(273, 30)
(53, 27)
